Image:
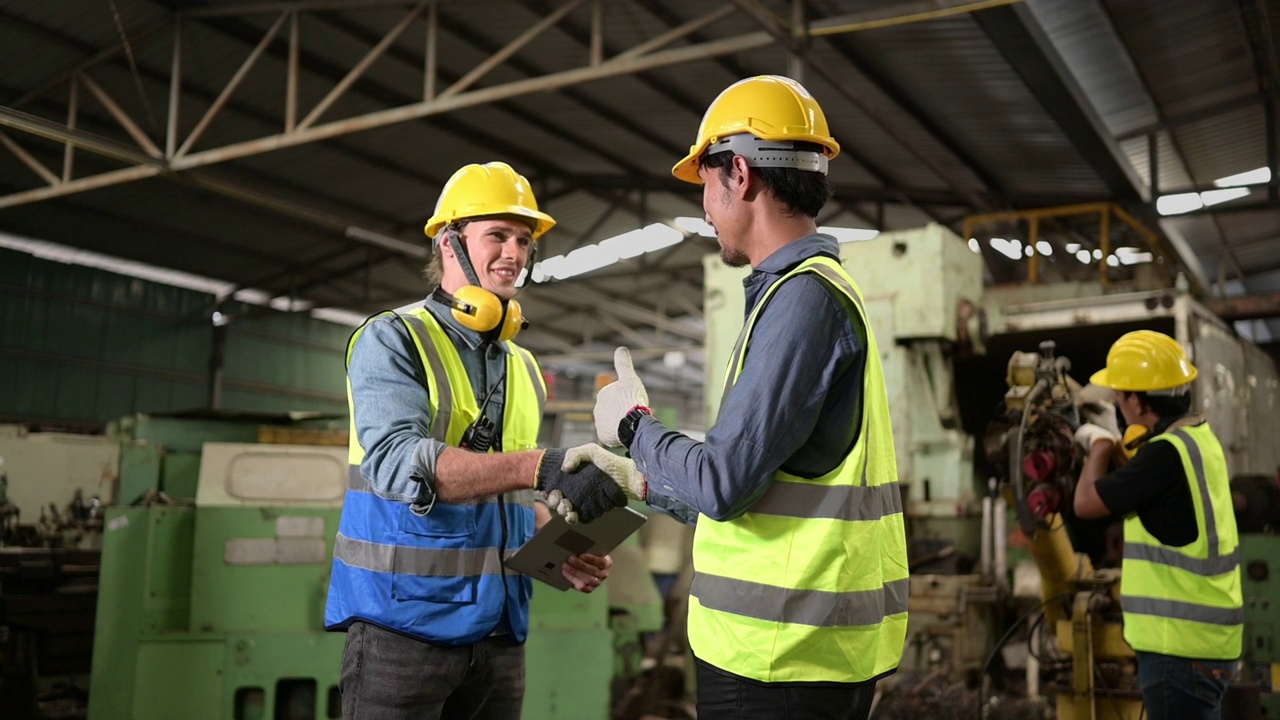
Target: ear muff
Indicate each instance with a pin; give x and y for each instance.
(1134, 437)
(513, 322)
(478, 309)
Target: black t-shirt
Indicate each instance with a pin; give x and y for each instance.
(1154, 485)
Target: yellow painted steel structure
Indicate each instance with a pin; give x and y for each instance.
(1088, 634)
(1105, 212)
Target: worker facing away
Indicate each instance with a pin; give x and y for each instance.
(445, 410)
(1180, 579)
(799, 600)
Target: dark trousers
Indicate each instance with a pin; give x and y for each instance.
(1175, 688)
(388, 676)
(725, 696)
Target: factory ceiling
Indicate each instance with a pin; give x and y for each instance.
(296, 148)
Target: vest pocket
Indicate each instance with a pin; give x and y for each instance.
(435, 556)
(446, 520)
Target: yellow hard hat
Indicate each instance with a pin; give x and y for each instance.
(482, 190)
(770, 107)
(1145, 361)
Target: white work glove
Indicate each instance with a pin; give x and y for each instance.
(1089, 433)
(617, 399)
(622, 470)
(1102, 414)
(559, 504)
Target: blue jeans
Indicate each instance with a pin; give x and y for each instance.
(1176, 688)
(388, 676)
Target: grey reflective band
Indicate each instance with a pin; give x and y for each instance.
(836, 502)
(817, 608)
(533, 377)
(1197, 465)
(523, 498)
(444, 403)
(836, 279)
(425, 562)
(1161, 555)
(1178, 610)
(356, 481)
(771, 154)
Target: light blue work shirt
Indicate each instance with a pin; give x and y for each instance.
(392, 414)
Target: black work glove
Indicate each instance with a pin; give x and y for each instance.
(592, 492)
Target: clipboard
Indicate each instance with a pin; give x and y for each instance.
(551, 546)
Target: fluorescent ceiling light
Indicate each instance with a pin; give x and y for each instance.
(607, 252)
(1084, 256)
(339, 316)
(1257, 176)
(973, 245)
(1072, 247)
(1011, 249)
(696, 226)
(1187, 202)
(1213, 197)
(175, 278)
(1178, 204)
(1044, 248)
(848, 235)
(1136, 258)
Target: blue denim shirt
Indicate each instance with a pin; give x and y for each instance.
(796, 406)
(392, 413)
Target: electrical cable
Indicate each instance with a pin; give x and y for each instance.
(1005, 638)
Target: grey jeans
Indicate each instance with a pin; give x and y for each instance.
(388, 676)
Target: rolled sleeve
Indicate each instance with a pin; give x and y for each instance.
(803, 343)
(393, 415)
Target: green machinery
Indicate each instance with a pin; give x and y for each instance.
(945, 340)
(1260, 583)
(214, 577)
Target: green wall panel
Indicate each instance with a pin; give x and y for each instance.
(85, 346)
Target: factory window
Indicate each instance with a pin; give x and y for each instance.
(295, 699)
(250, 703)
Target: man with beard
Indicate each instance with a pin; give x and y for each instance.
(799, 600)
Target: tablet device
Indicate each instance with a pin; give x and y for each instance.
(552, 545)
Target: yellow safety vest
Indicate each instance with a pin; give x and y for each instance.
(1186, 601)
(811, 583)
(440, 576)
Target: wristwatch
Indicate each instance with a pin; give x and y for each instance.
(627, 426)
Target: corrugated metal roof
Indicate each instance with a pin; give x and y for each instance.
(935, 118)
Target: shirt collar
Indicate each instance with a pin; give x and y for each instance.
(469, 337)
(792, 254)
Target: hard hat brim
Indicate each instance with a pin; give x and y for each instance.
(1103, 378)
(542, 221)
(687, 168)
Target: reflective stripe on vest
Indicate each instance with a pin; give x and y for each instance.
(438, 576)
(1186, 601)
(811, 583)
(818, 608)
(425, 562)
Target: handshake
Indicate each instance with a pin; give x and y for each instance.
(585, 482)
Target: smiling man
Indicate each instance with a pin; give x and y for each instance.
(445, 410)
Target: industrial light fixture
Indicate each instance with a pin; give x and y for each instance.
(1256, 176)
(1232, 187)
(649, 238)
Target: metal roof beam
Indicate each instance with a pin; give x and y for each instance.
(146, 34)
(1014, 31)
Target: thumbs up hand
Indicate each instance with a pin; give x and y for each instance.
(618, 398)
